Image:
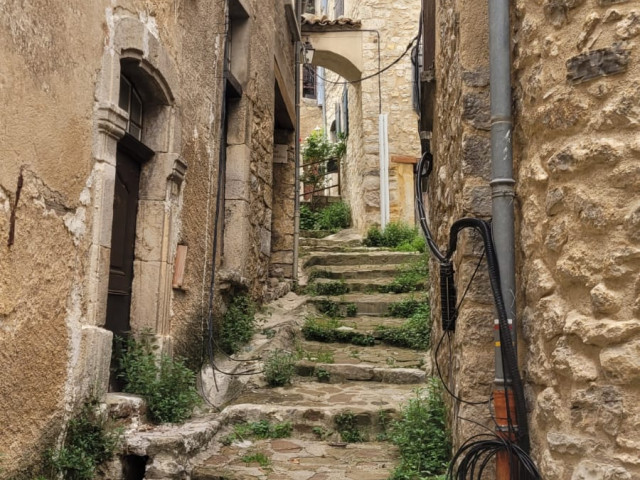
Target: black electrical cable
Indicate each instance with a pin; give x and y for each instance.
(483, 228)
(426, 159)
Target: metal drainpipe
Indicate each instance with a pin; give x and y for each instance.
(502, 193)
(296, 222)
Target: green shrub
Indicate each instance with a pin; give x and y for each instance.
(89, 442)
(414, 333)
(422, 436)
(308, 217)
(335, 216)
(279, 368)
(238, 324)
(347, 427)
(167, 385)
(396, 235)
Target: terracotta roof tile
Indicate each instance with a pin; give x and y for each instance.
(309, 19)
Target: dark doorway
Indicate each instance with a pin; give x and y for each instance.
(130, 156)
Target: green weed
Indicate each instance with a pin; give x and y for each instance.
(351, 310)
(395, 235)
(422, 436)
(258, 457)
(262, 429)
(411, 278)
(238, 324)
(279, 368)
(347, 427)
(405, 308)
(167, 385)
(89, 442)
(323, 375)
(415, 332)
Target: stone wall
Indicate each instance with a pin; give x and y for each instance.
(458, 187)
(60, 90)
(576, 90)
(576, 156)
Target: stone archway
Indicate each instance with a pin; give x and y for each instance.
(339, 51)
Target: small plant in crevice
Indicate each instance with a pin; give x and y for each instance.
(238, 324)
(329, 308)
(257, 457)
(384, 421)
(318, 356)
(323, 375)
(279, 368)
(166, 384)
(89, 442)
(347, 426)
(320, 432)
(422, 436)
(351, 310)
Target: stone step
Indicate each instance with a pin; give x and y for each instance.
(360, 258)
(295, 459)
(378, 356)
(341, 372)
(375, 304)
(364, 285)
(329, 242)
(347, 272)
(310, 405)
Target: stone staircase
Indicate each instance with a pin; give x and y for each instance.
(335, 383)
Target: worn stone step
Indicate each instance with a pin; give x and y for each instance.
(362, 285)
(376, 304)
(295, 459)
(347, 272)
(380, 356)
(309, 405)
(341, 372)
(360, 258)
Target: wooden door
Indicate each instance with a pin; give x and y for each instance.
(123, 237)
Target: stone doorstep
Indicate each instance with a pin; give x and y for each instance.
(360, 258)
(340, 372)
(295, 459)
(346, 272)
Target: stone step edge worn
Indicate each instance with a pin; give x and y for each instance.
(360, 372)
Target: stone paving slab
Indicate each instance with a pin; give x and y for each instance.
(340, 372)
(365, 285)
(295, 459)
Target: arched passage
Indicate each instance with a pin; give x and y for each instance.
(339, 51)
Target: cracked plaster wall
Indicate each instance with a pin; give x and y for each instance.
(53, 55)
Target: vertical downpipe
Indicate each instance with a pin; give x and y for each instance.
(383, 139)
(502, 193)
(296, 221)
